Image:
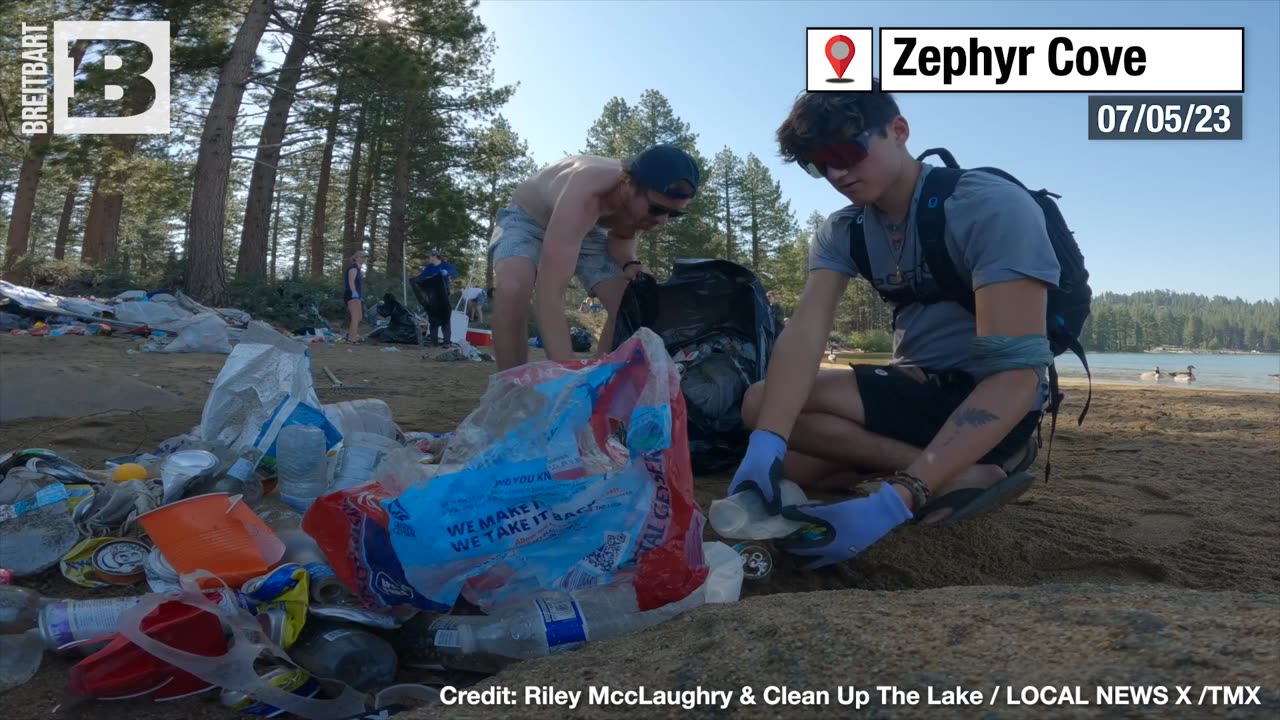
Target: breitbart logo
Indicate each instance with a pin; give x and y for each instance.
(104, 108)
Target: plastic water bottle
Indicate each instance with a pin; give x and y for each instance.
(19, 608)
(360, 659)
(359, 457)
(743, 516)
(550, 623)
(20, 657)
(301, 464)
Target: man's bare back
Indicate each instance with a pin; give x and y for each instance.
(537, 195)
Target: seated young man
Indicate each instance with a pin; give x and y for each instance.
(578, 216)
(950, 420)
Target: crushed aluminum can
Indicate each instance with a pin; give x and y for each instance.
(100, 562)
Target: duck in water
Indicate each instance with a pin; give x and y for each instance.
(1185, 377)
(1152, 374)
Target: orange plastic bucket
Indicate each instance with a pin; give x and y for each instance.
(208, 532)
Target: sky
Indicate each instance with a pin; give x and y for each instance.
(1185, 215)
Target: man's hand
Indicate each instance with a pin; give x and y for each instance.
(844, 529)
(761, 469)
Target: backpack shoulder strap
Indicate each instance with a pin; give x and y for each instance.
(931, 221)
(858, 247)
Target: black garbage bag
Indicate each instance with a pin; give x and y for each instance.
(433, 296)
(580, 339)
(401, 327)
(715, 320)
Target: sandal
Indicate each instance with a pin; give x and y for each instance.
(968, 502)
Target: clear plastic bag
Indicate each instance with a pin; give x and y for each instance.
(568, 475)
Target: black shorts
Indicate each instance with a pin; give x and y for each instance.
(899, 406)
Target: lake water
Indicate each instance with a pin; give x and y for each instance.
(1213, 372)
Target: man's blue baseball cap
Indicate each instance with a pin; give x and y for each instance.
(661, 166)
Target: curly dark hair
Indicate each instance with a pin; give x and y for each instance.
(822, 118)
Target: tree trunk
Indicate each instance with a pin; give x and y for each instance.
(488, 237)
(206, 277)
(350, 241)
(252, 258)
(398, 229)
(316, 256)
(275, 239)
(297, 240)
(755, 233)
(64, 223)
(373, 230)
(102, 225)
(24, 200)
(728, 224)
(375, 168)
(24, 197)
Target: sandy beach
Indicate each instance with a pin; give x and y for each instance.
(1142, 561)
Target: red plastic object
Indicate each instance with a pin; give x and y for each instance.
(123, 670)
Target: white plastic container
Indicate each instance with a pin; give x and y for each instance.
(367, 415)
(743, 516)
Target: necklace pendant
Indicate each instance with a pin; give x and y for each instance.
(897, 278)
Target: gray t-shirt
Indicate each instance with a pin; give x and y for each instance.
(995, 233)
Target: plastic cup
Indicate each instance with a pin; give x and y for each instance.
(214, 533)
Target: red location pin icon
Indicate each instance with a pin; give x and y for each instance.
(839, 53)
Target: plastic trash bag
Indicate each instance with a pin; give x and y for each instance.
(203, 333)
(36, 530)
(264, 386)
(401, 329)
(568, 475)
(156, 315)
(580, 339)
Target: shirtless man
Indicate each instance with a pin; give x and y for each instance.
(578, 217)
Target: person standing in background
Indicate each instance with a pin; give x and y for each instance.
(434, 278)
(353, 293)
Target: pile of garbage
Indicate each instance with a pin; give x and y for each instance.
(299, 556)
(171, 322)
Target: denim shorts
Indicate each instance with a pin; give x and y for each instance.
(518, 234)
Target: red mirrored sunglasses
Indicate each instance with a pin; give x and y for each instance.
(841, 156)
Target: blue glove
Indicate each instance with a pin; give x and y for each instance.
(845, 528)
(761, 469)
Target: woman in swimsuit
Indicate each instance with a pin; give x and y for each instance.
(353, 293)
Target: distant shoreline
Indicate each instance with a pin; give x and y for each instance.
(1186, 352)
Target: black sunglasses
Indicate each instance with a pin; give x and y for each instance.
(657, 210)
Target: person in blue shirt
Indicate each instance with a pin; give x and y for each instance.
(434, 279)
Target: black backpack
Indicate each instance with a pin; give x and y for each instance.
(1069, 303)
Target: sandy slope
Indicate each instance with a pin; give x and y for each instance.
(1165, 501)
